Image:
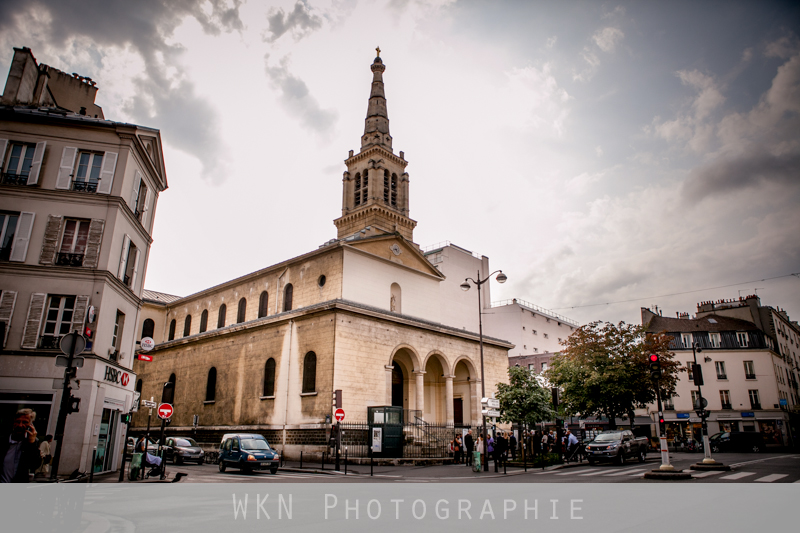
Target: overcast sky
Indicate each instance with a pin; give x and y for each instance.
(597, 152)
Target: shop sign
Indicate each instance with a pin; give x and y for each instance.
(683, 415)
(114, 375)
(748, 414)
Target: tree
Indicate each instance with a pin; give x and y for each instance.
(523, 399)
(604, 370)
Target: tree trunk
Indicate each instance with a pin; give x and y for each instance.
(612, 420)
(632, 417)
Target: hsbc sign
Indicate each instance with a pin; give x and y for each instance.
(117, 376)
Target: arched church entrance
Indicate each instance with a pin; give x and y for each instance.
(464, 399)
(401, 390)
(435, 411)
(398, 383)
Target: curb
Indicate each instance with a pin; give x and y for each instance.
(705, 467)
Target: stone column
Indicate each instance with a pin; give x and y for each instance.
(448, 398)
(475, 389)
(420, 386)
(389, 375)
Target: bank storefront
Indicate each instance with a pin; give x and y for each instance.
(114, 397)
(687, 426)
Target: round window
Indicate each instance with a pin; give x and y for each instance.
(321, 281)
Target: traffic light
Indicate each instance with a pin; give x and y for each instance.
(337, 398)
(655, 366)
(697, 374)
(74, 405)
(661, 419)
(125, 418)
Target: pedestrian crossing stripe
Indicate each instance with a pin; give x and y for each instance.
(771, 478)
(739, 475)
(706, 474)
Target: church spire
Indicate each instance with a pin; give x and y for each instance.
(376, 125)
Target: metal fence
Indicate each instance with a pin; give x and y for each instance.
(420, 439)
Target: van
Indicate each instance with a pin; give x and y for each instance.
(247, 452)
(737, 441)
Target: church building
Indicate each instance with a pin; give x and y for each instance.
(366, 313)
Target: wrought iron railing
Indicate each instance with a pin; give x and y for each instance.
(65, 259)
(420, 440)
(49, 342)
(84, 186)
(14, 179)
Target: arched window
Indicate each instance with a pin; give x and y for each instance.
(139, 386)
(204, 321)
(310, 372)
(148, 328)
(394, 190)
(269, 377)
(287, 297)
(172, 330)
(242, 309)
(386, 186)
(187, 325)
(263, 304)
(357, 190)
(223, 310)
(168, 393)
(395, 298)
(211, 385)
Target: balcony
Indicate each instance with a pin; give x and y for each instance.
(14, 179)
(755, 406)
(49, 342)
(749, 376)
(722, 376)
(84, 186)
(127, 280)
(74, 260)
(727, 406)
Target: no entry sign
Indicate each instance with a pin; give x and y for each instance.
(339, 415)
(164, 411)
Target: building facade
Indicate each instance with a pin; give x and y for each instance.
(77, 203)
(362, 313)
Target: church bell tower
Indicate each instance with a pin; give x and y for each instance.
(375, 185)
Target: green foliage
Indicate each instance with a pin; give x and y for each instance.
(523, 399)
(604, 369)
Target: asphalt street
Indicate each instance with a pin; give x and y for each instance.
(745, 468)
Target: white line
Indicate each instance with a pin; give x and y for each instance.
(707, 473)
(771, 478)
(636, 472)
(739, 475)
(573, 472)
(766, 459)
(596, 473)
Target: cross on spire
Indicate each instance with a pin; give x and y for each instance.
(378, 49)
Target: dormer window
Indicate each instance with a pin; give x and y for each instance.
(714, 340)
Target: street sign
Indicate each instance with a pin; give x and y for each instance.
(492, 403)
(164, 411)
(195, 420)
(144, 357)
(148, 403)
(783, 402)
(701, 403)
(72, 339)
(339, 415)
(694, 420)
(135, 405)
(62, 360)
(491, 413)
(147, 344)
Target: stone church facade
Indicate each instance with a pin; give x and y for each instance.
(362, 313)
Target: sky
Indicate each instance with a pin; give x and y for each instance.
(607, 156)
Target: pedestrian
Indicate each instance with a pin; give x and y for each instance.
(20, 453)
(489, 447)
(148, 459)
(46, 452)
(543, 442)
(500, 449)
(512, 444)
(572, 443)
(481, 449)
(469, 444)
(457, 450)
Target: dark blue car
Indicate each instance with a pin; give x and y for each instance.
(247, 452)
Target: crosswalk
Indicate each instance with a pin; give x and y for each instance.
(638, 471)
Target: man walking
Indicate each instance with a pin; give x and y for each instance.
(512, 444)
(20, 452)
(469, 445)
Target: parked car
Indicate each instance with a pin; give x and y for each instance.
(247, 452)
(182, 449)
(617, 446)
(737, 441)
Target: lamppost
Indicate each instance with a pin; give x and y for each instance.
(700, 406)
(501, 278)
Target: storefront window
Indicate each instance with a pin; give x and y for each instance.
(772, 432)
(105, 440)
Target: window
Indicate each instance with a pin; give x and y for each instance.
(263, 304)
(211, 385)
(321, 281)
(87, 174)
(714, 340)
(749, 370)
(743, 339)
(223, 310)
(310, 372)
(116, 338)
(8, 226)
(287, 297)
(172, 330)
(58, 321)
(695, 397)
(725, 399)
(128, 263)
(187, 325)
(686, 340)
(204, 321)
(669, 404)
(689, 369)
(544, 367)
(148, 328)
(140, 196)
(269, 377)
(755, 401)
(24, 162)
(361, 191)
(531, 367)
(139, 386)
(386, 187)
(241, 312)
(720, 366)
(73, 242)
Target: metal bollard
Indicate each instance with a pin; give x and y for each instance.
(345, 460)
(323, 460)
(371, 462)
(301, 458)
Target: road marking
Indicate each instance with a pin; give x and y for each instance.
(706, 474)
(635, 472)
(771, 478)
(574, 472)
(597, 473)
(766, 459)
(739, 475)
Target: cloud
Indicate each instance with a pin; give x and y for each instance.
(551, 41)
(300, 22)
(607, 38)
(297, 100)
(745, 171)
(106, 27)
(536, 96)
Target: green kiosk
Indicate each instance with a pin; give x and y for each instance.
(385, 431)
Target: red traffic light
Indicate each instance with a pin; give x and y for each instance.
(653, 358)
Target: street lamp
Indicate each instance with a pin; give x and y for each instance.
(501, 278)
(700, 408)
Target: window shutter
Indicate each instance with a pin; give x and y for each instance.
(7, 301)
(36, 164)
(137, 183)
(107, 173)
(135, 270)
(19, 250)
(3, 146)
(79, 316)
(35, 311)
(123, 258)
(146, 203)
(50, 242)
(92, 256)
(65, 168)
